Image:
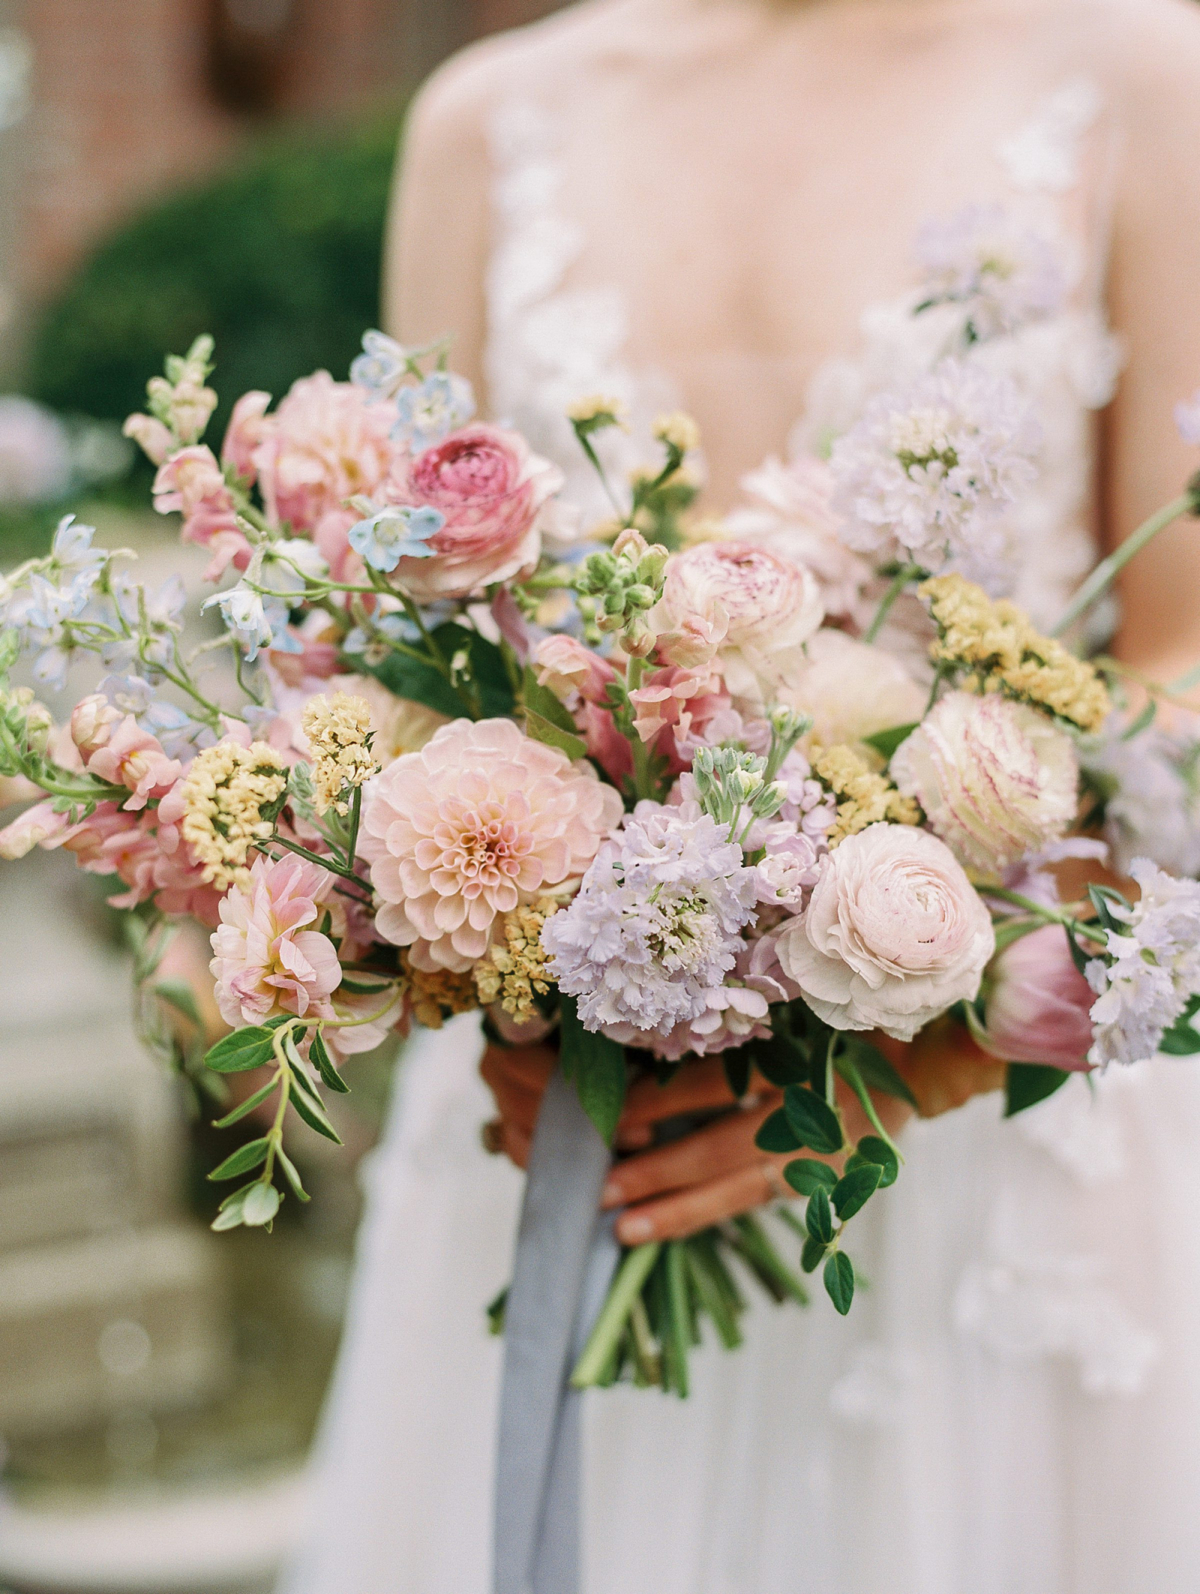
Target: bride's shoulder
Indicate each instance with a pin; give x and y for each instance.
(548, 57)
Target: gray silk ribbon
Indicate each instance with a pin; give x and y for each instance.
(565, 1258)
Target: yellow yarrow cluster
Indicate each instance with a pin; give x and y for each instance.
(226, 789)
(678, 431)
(515, 969)
(436, 995)
(598, 410)
(339, 732)
(864, 797)
(996, 643)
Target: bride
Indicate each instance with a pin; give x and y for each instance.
(713, 204)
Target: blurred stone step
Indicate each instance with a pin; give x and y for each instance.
(230, 1541)
(91, 1328)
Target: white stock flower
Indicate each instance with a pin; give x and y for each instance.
(924, 471)
(997, 779)
(1150, 971)
(894, 933)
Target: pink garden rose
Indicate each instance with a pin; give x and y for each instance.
(267, 960)
(894, 933)
(325, 443)
(1038, 1003)
(748, 610)
(491, 488)
(481, 819)
(997, 779)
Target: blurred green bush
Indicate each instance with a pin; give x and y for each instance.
(278, 258)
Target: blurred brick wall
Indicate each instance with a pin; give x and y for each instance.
(129, 97)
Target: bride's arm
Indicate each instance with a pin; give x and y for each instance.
(436, 252)
(1154, 302)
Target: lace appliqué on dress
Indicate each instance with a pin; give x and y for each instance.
(550, 344)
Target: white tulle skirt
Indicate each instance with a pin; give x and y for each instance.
(1012, 1407)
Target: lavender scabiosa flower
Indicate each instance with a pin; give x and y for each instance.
(1151, 968)
(657, 924)
(923, 472)
(1002, 272)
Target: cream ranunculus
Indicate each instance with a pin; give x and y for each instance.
(853, 690)
(894, 934)
(997, 779)
(750, 609)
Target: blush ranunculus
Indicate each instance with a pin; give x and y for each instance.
(267, 960)
(491, 488)
(997, 779)
(1038, 1004)
(748, 610)
(480, 820)
(894, 933)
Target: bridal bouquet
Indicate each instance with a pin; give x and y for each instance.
(658, 798)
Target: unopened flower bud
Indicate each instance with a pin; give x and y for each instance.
(92, 721)
(631, 545)
(652, 565)
(638, 639)
(639, 597)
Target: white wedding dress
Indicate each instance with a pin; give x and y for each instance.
(1013, 1405)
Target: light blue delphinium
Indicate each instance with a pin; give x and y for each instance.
(433, 409)
(253, 623)
(398, 532)
(381, 367)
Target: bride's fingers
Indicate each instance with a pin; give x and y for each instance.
(672, 1217)
(697, 1088)
(710, 1153)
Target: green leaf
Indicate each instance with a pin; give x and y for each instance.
(872, 1149)
(252, 1155)
(541, 730)
(810, 1256)
(839, 1281)
(359, 988)
(1143, 722)
(261, 1205)
(806, 1176)
(781, 1060)
(417, 681)
(488, 670)
(541, 700)
(597, 1065)
(319, 1053)
(886, 742)
(229, 1215)
(244, 1049)
(310, 1110)
(247, 1106)
(877, 1073)
(817, 1217)
(776, 1134)
(855, 1188)
(813, 1119)
(290, 1173)
(179, 995)
(1182, 1039)
(1028, 1083)
(737, 1071)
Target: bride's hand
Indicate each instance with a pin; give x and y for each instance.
(717, 1171)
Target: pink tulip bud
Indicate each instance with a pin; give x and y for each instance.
(1037, 1008)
